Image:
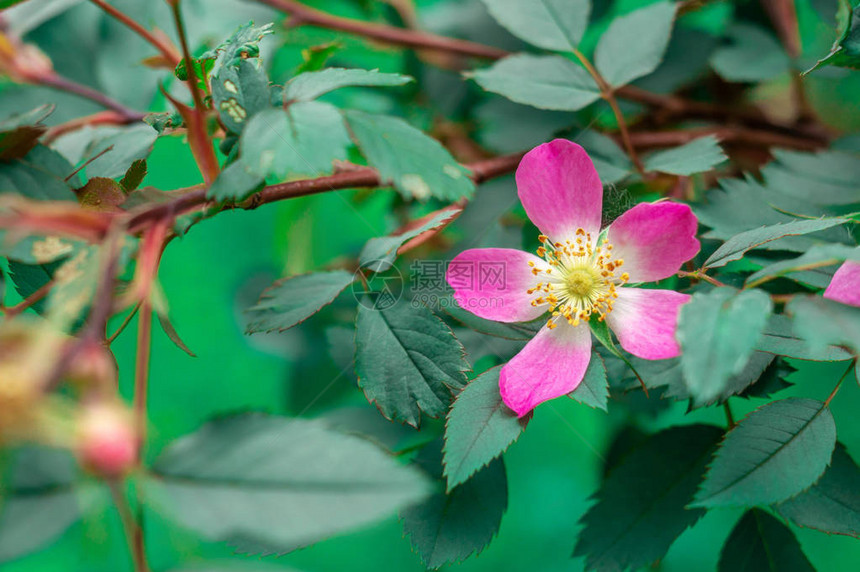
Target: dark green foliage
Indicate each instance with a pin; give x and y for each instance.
(407, 361)
(642, 505)
(480, 427)
(293, 300)
(778, 451)
(832, 504)
(761, 543)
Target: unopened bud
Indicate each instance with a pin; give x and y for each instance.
(107, 443)
(93, 366)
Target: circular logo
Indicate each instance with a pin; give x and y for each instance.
(380, 289)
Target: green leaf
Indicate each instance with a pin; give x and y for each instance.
(101, 194)
(28, 278)
(761, 543)
(550, 24)
(822, 323)
(121, 149)
(235, 183)
(417, 165)
(698, 155)
(263, 481)
(379, 253)
(36, 249)
(832, 505)
(40, 176)
(611, 162)
(776, 452)
(39, 501)
(240, 92)
(641, 506)
(593, 390)
(407, 361)
(134, 176)
(448, 527)
(794, 187)
(545, 82)
(304, 139)
(634, 44)
(834, 166)
(480, 427)
(717, 332)
(738, 245)
(19, 133)
(819, 256)
(243, 44)
(310, 85)
(755, 55)
(846, 49)
(291, 301)
(779, 339)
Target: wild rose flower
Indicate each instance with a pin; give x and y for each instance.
(579, 274)
(844, 287)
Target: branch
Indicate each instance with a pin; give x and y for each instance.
(168, 51)
(739, 135)
(392, 35)
(303, 14)
(362, 177)
(63, 84)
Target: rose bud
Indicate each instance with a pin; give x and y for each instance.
(107, 443)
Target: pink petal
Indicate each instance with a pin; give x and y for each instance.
(552, 364)
(645, 321)
(845, 285)
(654, 239)
(560, 189)
(492, 283)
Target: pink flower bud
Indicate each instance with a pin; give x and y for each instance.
(107, 443)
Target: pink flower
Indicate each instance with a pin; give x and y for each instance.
(845, 285)
(578, 274)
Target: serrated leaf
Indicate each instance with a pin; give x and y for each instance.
(480, 427)
(261, 481)
(634, 44)
(697, 156)
(379, 253)
(545, 82)
(119, 151)
(239, 92)
(776, 452)
(244, 43)
(19, 133)
(754, 55)
(418, 165)
(311, 85)
(449, 527)
(641, 506)
(235, 183)
(832, 505)
(304, 139)
(28, 278)
(779, 338)
(407, 361)
(293, 300)
(593, 390)
(550, 24)
(101, 194)
(717, 332)
(738, 245)
(822, 323)
(41, 175)
(761, 543)
(846, 49)
(134, 176)
(819, 256)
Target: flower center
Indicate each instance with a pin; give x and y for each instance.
(580, 279)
